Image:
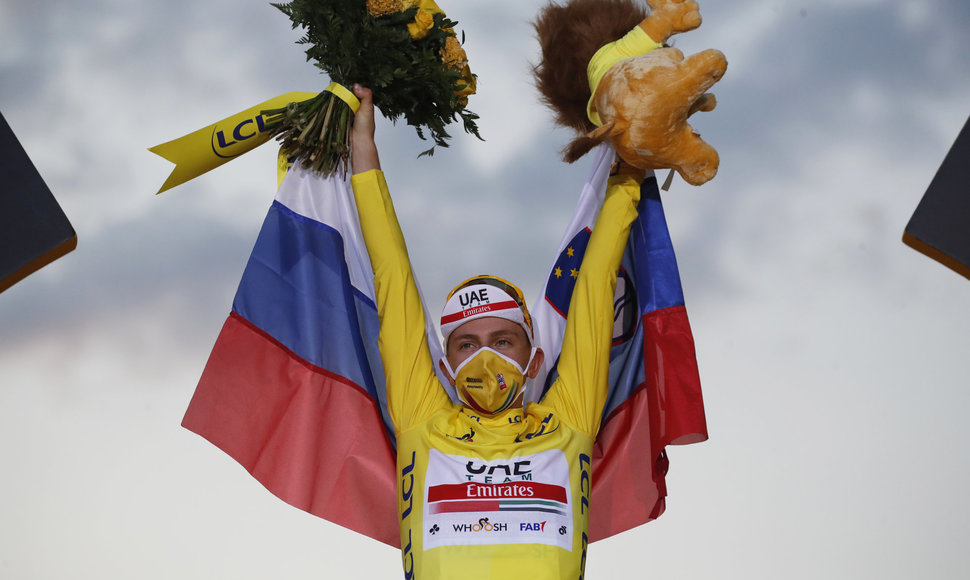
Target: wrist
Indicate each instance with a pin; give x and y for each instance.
(363, 157)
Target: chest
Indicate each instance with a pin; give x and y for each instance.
(526, 481)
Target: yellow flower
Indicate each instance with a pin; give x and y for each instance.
(428, 5)
(452, 54)
(467, 85)
(423, 23)
(382, 7)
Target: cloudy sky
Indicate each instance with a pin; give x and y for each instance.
(832, 356)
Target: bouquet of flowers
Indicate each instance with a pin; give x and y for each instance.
(406, 50)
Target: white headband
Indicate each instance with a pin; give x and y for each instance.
(479, 301)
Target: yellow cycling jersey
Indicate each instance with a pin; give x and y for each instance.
(506, 495)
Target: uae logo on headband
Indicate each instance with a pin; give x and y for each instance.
(473, 298)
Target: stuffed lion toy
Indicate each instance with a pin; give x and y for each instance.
(608, 74)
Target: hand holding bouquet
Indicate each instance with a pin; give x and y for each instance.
(406, 50)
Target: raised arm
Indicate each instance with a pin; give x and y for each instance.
(363, 147)
(583, 384)
(413, 390)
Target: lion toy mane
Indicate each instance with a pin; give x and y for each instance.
(607, 73)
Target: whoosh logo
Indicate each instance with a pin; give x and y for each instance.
(483, 525)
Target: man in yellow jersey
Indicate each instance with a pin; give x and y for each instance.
(489, 489)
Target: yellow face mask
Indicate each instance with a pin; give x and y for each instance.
(488, 381)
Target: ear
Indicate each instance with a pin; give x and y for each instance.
(444, 369)
(536, 364)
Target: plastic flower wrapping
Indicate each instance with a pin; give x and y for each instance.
(407, 51)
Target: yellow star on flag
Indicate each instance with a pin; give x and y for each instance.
(557, 272)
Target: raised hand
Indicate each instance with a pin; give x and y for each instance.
(363, 148)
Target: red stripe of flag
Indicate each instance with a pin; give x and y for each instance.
(278, 416)
(667, 409)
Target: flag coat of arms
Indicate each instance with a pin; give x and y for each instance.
(294, 390)
(655, 395)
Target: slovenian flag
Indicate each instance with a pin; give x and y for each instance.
(294, 389)
(655, 394)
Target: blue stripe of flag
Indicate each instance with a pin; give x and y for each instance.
(652, 253)
(297, 289)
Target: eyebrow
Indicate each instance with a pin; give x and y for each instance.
(504, 332)
(491, 336)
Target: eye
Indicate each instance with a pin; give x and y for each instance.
(503, 343)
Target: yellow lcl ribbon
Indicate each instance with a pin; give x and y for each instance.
(345, 95)
(204, 150)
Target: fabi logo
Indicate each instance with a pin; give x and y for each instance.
(532, 527)
(230, 142)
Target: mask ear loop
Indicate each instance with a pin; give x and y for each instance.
(525, 372)
(532, 355)
(451, 372)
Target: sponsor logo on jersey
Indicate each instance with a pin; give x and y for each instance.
(532, 526)
(497, 497)
(519, 470)
(514, 500)
(482, 525)
(546, 427)
(469, 437)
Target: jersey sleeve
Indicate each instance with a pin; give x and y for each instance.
(413, 389)
(580, 391)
